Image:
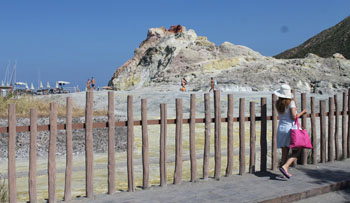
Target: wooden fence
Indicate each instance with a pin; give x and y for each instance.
(333, 138)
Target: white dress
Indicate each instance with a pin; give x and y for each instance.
(285, 125)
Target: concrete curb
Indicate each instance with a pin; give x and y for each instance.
(309, 193)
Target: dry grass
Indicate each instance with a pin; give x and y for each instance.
(3, 189)
(24, 104)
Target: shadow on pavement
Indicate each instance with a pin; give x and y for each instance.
(324, 176)
(272, 176)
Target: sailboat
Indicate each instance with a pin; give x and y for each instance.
(32, 86)
(41, 90)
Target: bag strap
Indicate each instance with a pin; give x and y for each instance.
(297, 121)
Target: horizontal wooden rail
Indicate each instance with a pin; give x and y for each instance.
(136, 123)
(76, 126)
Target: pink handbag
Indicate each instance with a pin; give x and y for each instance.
(299, 138)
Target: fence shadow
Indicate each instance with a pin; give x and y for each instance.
(272, 176)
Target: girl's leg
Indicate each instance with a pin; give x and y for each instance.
(285, 151)
(293, 157)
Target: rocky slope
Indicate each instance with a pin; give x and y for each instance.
(168, 55)
(333, 40)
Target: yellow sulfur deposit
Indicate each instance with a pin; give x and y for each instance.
(222, 64)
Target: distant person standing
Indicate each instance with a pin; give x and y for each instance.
(212, 84)
(88, 85)
(93, 83)
(183, 84)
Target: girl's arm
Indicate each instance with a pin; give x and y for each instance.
(294, 113)
(302, 113)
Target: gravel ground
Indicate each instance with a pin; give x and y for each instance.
(100, 138)
(155, 98)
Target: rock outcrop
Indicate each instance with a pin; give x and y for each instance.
(168, 55)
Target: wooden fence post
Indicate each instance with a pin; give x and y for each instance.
(274, 134)
(241, 137)
(178, 142)
(192, 138)
(89, 153)
(263, 138)
(130, 143)
(145, 146)
(12, 153)
(323, 131)
(217, 140)
(111, 144)
(69, 151)
(348, 135)
(207, 136)
(304, 154)
(313, 130)
(343, 127)
(52, 152)
(32, 155)
(252, 138)
(295, 163)
(336, 131)
(229, 135)
(163, 133)
(330, 129)
(293, 92)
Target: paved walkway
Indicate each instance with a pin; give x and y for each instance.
(340, 196)
(307, 181)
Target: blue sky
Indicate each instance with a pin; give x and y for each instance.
(75, 40)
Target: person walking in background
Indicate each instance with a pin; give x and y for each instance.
(93, 83)
(287, 112)
(183, 84)
(87, 85)
(212, 84)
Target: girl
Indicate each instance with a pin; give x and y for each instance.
(287, 112)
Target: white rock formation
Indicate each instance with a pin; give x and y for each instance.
(168, 55)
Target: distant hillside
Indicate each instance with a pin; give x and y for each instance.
(333, 40)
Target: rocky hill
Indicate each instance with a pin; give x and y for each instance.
(168, 55)
(333, 40)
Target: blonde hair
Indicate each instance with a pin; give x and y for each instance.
(282, 104)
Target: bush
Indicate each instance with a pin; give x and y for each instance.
(3, 189)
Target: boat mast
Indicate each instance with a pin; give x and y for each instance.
(13, 74)
(7, 74)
